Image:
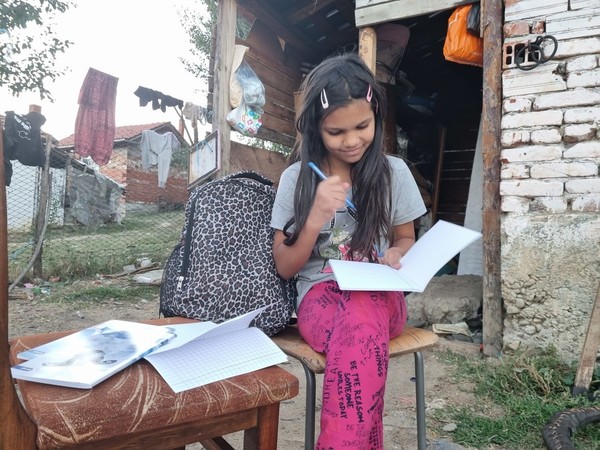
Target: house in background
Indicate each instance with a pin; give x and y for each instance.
(142, 193)
(91, 195)
(72, 191)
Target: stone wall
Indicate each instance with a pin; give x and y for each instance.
(550, 183)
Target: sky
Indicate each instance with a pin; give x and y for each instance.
(137, 41)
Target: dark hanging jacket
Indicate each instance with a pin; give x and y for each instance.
(22, 141)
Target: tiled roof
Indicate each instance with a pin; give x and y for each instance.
(126, 132)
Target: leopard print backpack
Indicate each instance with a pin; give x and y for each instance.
(223, 265)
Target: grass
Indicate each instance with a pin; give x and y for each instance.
(76, 251)
(99, 294)
(81, 292)
(518, 394)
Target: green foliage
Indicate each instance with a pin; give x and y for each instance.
(271, 146)
(527, 388)
(27, 60)
(199, 29)
(181, 158)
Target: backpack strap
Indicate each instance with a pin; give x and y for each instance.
(253, 176)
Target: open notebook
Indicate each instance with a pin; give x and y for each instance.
(429, 254)
(186, 355)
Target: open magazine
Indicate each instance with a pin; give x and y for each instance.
(186, 355)
(89, 356)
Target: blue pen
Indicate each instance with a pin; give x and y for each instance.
(349, 203)
(322, 176)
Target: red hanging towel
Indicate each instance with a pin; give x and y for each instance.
(461, 46)
(95, 123)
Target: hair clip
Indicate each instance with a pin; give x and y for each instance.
(324, 101)
(369, 97)
(369, 94)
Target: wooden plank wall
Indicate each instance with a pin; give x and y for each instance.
(371, 12)
(279, 70)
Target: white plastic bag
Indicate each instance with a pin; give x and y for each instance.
(245, 119)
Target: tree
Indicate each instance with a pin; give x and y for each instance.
(200, 30)
(28, 55)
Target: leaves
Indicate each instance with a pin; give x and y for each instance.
(199, 29)
(27, 59)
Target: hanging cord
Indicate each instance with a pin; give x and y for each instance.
(534, 51)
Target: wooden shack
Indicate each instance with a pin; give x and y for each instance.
(434, 106)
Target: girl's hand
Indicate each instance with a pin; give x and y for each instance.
(392, 257)
(329, 198)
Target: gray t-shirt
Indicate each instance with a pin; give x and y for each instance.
(407, 205)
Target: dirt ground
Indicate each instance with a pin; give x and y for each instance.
(33, 314)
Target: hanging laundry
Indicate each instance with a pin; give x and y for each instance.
(22, 139)
(95, 123)
(158, 99)
(195, 113)
(157, 149)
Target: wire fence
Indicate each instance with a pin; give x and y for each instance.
(71, 220)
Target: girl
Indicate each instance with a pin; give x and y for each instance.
(360, 207)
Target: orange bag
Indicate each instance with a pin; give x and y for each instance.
(461, 46)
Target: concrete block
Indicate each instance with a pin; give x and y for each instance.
(574, 24)
(532, 153)
(582, 115)
(527, 9)
(532, 188)
(572, 97)
(590, 149)
(563, 169)
(543, 78)
(532, 119)
(585, 186)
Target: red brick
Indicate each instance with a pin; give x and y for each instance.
(538, 27)
(516, 29)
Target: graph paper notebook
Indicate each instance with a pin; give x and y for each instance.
(186, 355)
(197, 357)
(424, 259)
(85, 358)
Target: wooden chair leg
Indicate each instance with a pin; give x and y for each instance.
(215, 444)
(264, 436)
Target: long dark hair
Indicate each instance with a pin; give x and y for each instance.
(343, 78)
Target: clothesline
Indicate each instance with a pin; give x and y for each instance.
(161, 101)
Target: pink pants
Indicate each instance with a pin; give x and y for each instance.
(353, 329)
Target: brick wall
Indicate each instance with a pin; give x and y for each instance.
(550, 179)
(117, 166)
(141, 186)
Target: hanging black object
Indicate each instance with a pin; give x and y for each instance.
(22, 138)
(22, 141)
(473, 20)
(535, 52)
